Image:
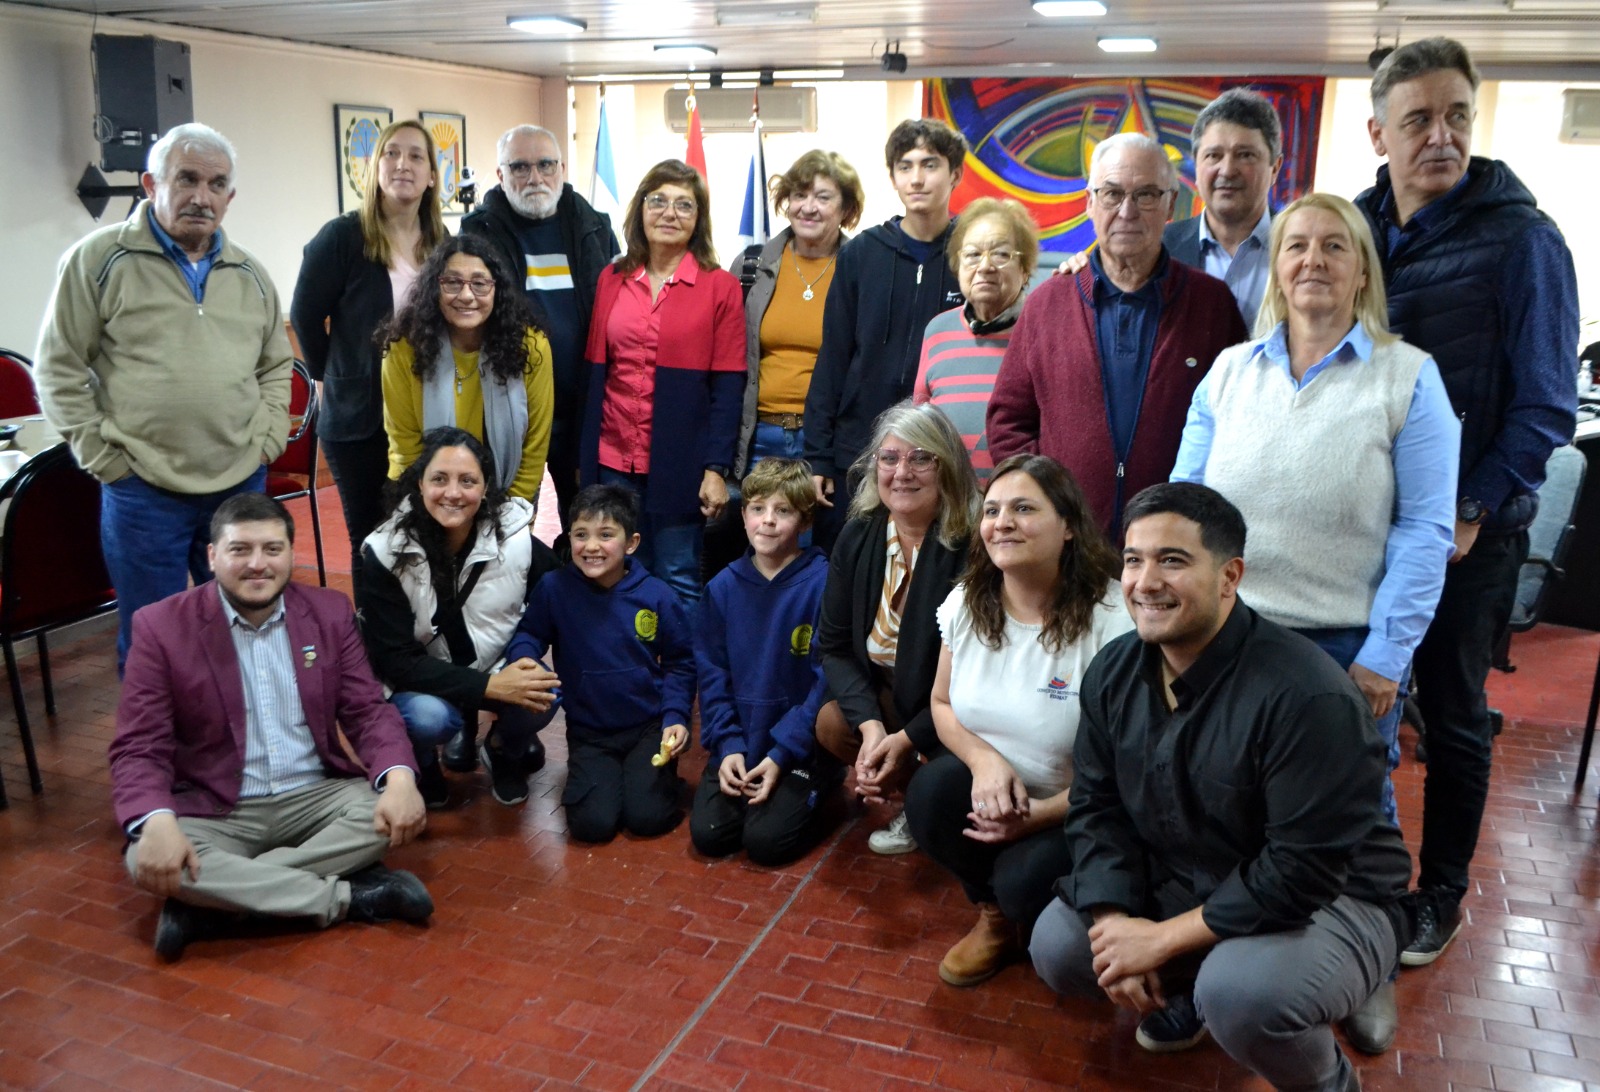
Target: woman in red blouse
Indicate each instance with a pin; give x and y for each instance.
(666, 345)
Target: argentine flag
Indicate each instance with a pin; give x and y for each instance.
(603, 189)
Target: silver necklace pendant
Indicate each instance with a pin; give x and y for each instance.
(808, 295)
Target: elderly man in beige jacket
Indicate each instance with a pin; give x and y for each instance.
(164, 362)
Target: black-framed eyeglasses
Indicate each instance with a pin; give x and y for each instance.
(1144, 199)
(658, 202)
(521, 168)
(480, 286)
(917, 458)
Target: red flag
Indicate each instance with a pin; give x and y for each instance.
(696, 155)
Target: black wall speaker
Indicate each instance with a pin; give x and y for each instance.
(142, 89)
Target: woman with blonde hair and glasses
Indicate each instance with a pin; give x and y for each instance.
(993, 250)
(896, 559)
(354, 275)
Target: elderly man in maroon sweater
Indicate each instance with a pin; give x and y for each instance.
(1102, 364)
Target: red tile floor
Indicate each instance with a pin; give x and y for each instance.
(641, 965)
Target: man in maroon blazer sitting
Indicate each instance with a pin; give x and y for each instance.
(1101, 365)
(227, 771)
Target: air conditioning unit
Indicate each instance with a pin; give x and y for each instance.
(727, 109)
(1580, 116)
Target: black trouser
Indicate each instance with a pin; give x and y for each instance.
(1452, 665)
(776, 831)
(1019, 876)
(612, 786)
(360, 471)
(562, 462)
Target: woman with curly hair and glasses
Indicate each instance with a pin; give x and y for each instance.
(666, 374)
(1034, 606)
(445, 578)
(464, 353)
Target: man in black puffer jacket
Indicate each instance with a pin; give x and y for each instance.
(1481, 279)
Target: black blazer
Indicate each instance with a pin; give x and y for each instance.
(338, 282)
(849, 604)
(1182, 239)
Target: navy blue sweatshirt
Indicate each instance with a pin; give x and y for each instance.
(761, 679)
(624, 654)
(878, 306)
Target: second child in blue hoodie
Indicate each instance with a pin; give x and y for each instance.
(625, 656)
(761, 682)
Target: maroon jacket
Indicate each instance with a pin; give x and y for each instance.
(181, 721)
(1049, 397)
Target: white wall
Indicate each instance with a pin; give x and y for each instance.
(274, 100)
(1517, 122)
(853, 119)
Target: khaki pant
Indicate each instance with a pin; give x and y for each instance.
(283, 855)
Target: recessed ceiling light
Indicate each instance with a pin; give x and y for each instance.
(808, 74)
(546, 24)
(1069, 9)
(766, 14)
(1128, 45)
(685, 49)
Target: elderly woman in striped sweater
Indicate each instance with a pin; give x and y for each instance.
(993, 250)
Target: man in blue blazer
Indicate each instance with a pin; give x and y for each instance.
(1238, 148)
(227, 770)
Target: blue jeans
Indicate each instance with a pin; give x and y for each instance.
(776, 442)
(431, 721)
(154, 540)
(669, 546)
(1344, 645)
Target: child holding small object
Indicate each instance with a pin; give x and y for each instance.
(626, 661)
(760, 682)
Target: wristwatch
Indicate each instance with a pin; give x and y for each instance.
(1470, 511)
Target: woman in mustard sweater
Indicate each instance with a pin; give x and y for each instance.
(464, 352)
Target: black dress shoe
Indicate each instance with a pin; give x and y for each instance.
(377, 894)
(179, 924)
(460, 753)
(1371, 1028)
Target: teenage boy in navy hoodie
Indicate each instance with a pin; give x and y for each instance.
(626, 660)
(890, 281)
(760, 682)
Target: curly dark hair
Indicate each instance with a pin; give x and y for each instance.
(1088, 563)
(419, 525)
(422, 325)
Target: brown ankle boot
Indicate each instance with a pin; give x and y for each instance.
(980, 954)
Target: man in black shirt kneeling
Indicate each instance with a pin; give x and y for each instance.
(1232, 867)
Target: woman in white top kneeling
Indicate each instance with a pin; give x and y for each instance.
(1034, 606)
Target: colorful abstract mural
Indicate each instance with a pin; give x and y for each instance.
(1031, 139)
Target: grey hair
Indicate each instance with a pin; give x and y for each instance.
(927, 427)
(192, 137)
(1139, 142)
(1243, 107)
(515, 131)
(1416, 59)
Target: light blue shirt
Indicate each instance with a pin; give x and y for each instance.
(1245, 271)
(1426, 457)
(194, 273)
(280, 754)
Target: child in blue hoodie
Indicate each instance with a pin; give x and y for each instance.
(625, 656)
(760, 682)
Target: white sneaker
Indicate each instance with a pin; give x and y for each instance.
(894, 838)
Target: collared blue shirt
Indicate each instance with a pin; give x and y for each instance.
(280, 754)
(1125, 324)
(1245, 271)
(1426, 454)
(195, 273)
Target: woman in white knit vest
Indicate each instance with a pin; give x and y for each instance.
(1337, 442)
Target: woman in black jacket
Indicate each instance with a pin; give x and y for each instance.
(895, 561)
(354, 275)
